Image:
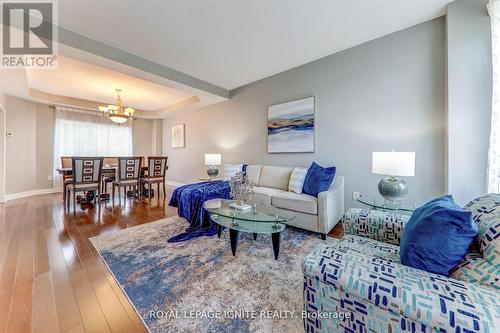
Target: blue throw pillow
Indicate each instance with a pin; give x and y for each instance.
(437, 236)
(318, 179)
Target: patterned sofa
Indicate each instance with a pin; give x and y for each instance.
(361, 278)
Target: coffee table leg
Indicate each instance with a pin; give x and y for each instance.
(219, 229)
(276, 244)
(254, 236)
(233, 236)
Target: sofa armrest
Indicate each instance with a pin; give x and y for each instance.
(382, 226)
(331, 205)
(430, 299)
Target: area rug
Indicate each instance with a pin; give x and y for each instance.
(198, 286)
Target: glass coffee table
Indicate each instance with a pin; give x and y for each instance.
(260, 219)
(380, 203)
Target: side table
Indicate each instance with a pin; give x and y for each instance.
(379, 203)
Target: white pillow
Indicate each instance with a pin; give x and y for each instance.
(231, 169)
(297, 180)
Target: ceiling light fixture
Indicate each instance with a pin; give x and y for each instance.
(117, 113)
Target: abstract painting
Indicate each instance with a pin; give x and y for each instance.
(178, 136)
(290, 127)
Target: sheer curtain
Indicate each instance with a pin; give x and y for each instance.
(494, 148)
(86, 133)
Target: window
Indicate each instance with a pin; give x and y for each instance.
(494, 148)
(87, 133)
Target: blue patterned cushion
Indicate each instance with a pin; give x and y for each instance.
(486, 214)
(475, 269)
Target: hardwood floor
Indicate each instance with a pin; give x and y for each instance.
(51, 277)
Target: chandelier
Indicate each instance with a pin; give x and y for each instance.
(117, 113)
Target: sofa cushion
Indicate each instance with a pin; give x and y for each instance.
(303, 203)
(231, 169)
(275, 177)
(253, 173)
(475, 269)
(297, 180)
(370, 247)
(486, 213)
(437, 236)
(264, 194)
(318, 179)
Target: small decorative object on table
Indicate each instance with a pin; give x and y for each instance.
(212, 161)
(241, 190)
(393, 164)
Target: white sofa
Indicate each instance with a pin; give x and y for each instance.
(319, 214)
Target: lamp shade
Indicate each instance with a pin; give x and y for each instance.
(393, 163)
(212, 159)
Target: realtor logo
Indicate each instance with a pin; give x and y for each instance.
(28, 34)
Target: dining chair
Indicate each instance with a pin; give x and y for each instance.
(67, 179)
(128, 175)
(157, 167)
(108, 179)
(87, 173)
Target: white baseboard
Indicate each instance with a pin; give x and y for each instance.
(31, 193)
(25, 194)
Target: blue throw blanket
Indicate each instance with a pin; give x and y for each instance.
(189, 200)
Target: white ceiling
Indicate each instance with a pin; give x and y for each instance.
(231, 43)
(76, 79)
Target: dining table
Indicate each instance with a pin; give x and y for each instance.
(107, 171)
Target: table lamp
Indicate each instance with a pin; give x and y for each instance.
(212, 160)
(393, 164)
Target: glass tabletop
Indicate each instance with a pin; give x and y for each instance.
(248, 226)
(258, 213)
(380, 203)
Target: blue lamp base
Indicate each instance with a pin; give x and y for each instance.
(392, 188)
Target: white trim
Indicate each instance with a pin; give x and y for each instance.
(174, 184)
(3, 149)
(31, 193)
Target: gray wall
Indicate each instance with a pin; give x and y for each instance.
(146, 136)
(386, 94)
(29, 152)
(44, 145)
(142, 136)
(469, 98)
